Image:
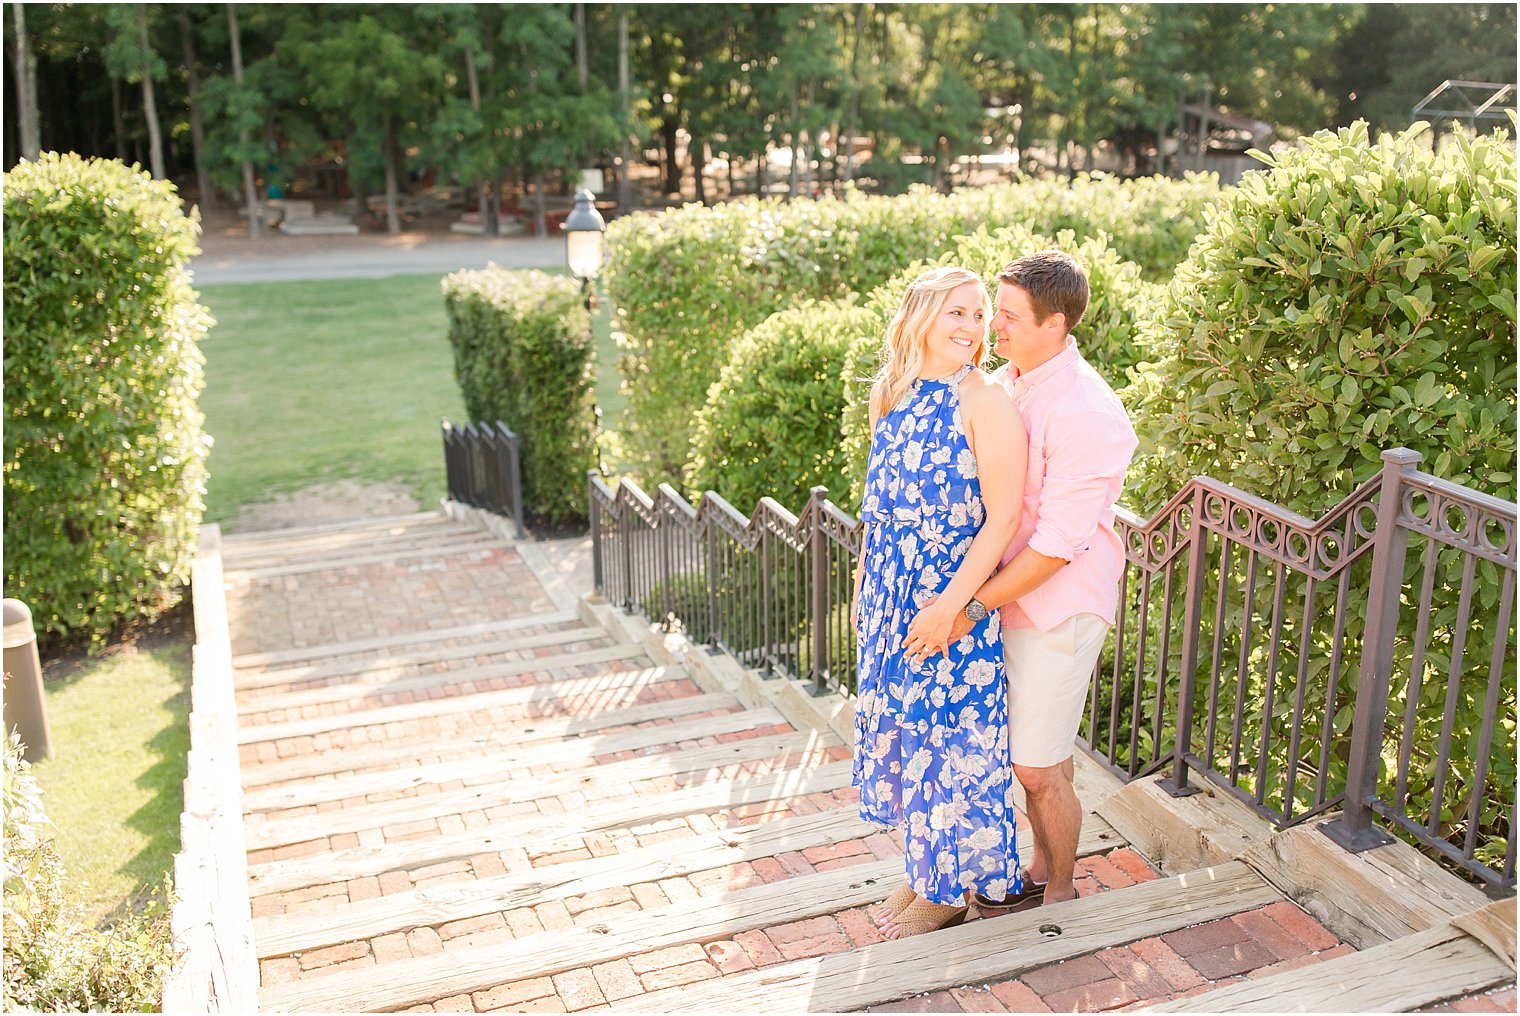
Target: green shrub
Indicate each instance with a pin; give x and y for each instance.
(771, 422)
(1110, 335)
(53, 960)
(104, 449)
(522, 355)
(692, 280)
(1359, 296)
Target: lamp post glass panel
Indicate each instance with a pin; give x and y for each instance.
(583, 239)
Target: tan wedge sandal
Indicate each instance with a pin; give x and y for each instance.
(893, 905)
(921, 917)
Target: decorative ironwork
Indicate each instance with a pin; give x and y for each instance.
(1253, 647)
(482, 468)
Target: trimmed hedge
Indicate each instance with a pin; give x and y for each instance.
(771, 422)
(694, 279)
(522, 354)
(1110, 335)
(1359, 296)
(105, 455)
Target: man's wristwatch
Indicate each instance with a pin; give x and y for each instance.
(975, 610)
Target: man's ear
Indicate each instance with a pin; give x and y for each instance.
(1056, 318)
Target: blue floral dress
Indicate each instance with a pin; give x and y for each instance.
(931, 739)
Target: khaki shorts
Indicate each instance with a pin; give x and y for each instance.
(1049, 674)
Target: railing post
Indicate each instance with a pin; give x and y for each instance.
(1354, 830)
(594, 510)
(820, 580)
(1187, 687)
(513, 477)
(667, 567)
(448, 460)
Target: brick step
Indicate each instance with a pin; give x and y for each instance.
(238, 543)
(631, 778)
(379, 689)
(550, 742)
(305, 656)
(1419, 969)
(375, 665)
(608, 690)
(734, 934)
(347, 543)
(459, 546)
(346, 865)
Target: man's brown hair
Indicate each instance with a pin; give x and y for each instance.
(1055, 282)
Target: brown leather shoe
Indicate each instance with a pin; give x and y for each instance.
(1027, 898)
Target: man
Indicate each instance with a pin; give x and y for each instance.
(1058, 586)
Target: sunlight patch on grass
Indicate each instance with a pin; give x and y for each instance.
(113, 788)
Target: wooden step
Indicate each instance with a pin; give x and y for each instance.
(732, 912)
(1420, 969)
(297, 565)
(236, 543)
(543, 830)
(548, 741)
(490, 771)
(572, 878)
(375, 686)
(613, 688)
(302, 654)
(348, 541)
(975, 952)
(250, 683)
(717, 916)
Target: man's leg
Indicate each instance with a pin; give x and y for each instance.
(1055, 814)
(1034, 865)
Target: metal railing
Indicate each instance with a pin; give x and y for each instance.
(773, 590)
(483, 470)
(1283, 658)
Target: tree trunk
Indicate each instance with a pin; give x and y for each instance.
(854, 111)
(392, 187)
(118, 120)
(25, 66)
(625, 197)
(540, 220)
(791, 180)
(582, 69)
(488, 222)
(672, 164)
(696, 151)
(250, 192)
(150, 106)
(197, 126)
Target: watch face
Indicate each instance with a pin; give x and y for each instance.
(975, 611)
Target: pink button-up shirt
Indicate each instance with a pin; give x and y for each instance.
(1080, 445)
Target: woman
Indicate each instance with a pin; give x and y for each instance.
(942, 500)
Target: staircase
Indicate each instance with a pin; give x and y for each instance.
(466, 788)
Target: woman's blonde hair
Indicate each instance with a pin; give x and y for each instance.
(902, 348)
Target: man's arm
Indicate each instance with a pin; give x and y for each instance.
(1027, 571)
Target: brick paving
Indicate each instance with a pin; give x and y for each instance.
(346, 604)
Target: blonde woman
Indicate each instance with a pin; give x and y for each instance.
(943, 497)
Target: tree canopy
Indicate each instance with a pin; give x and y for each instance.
(504, 96)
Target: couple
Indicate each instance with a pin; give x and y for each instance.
(988, 579)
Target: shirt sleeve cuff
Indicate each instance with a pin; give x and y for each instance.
(1043, 543)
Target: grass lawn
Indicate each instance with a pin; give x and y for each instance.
(312, 382)
(113, 788)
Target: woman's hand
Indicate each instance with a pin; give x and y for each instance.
(855, 615)
(933, 629)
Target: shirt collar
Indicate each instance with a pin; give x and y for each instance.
(1050, 368)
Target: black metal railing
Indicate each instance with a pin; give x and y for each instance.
(772, 589)
(482, 468)
(1299, 664)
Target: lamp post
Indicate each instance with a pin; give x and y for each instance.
(583, 241)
